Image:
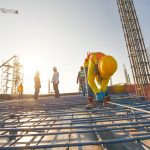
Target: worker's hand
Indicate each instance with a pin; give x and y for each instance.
(100, 96)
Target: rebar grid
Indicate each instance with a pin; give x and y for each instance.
(64, 122)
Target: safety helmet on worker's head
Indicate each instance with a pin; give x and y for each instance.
(37, 72)
(107, 66)
(81, 68)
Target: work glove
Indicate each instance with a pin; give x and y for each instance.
(100, 96)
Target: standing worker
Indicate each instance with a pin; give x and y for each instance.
(81, 80)
(37, 84)
(55, 81)
(20, 91)
(99, 67)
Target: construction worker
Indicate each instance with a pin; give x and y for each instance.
(99, 67)
(20, 91)
(37, 84)
(55, 81)
(81, 80)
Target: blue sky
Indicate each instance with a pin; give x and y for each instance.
(59, 33)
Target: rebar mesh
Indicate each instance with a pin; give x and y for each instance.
(55, 123)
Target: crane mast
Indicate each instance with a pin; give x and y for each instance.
(12, 11)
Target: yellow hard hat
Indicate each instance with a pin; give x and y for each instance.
(107, 66)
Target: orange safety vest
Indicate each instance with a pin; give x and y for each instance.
(20, 88)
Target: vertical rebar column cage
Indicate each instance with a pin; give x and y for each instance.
(135, 45)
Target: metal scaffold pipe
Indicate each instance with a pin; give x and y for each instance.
(7, 61)
(4, 10)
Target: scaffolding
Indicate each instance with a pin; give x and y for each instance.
(11, 75)
(6, 78)
(17, 76)
(135, 45)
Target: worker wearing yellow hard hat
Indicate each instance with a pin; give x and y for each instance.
(99, 67)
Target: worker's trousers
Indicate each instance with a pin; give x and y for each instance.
(89, 89)
(20, 95)
(36, 93)
(82, 85)
(55, 86)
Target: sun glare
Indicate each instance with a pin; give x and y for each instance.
(32, 62)
(30, 66)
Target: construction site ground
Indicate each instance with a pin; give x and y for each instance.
(65, 123)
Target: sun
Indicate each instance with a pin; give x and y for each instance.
(31, 64)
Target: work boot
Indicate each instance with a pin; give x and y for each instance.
(91, 103)
(106, 100)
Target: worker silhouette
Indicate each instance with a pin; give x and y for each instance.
(99, 67)
(81, 81)
(55, 81)
(20, 91)
(37, 84)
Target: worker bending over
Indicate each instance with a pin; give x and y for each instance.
(99, 68)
